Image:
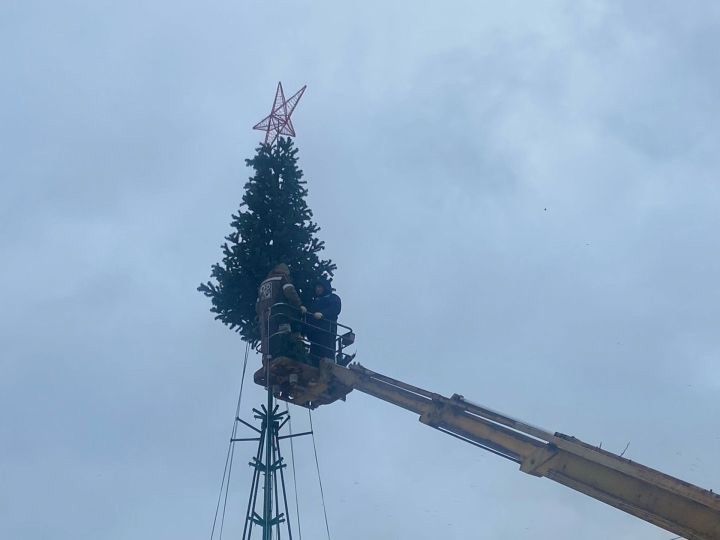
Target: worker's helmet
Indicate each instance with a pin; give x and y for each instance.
(281, 269)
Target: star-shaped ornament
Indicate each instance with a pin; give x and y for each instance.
(278, 121)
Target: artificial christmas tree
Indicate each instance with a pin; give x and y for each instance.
(273, 225)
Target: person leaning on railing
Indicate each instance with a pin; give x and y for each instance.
(276, 288)
(321, 321)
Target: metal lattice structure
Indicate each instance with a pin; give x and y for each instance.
(278, 121)
(263, 509)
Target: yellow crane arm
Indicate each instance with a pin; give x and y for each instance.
(665, 501)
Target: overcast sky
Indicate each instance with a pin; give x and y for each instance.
(522, 199)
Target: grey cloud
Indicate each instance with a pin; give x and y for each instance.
(558, 156)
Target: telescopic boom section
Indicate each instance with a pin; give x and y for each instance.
(670, 503)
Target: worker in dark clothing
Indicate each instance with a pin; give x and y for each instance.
(321, 329)
(276, 288)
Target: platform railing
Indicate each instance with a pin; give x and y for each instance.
(285, 319)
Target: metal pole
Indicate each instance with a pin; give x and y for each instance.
(247, 528)
(268, 506)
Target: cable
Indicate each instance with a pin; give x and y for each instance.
(292, 459)
(230, 453)
(222, 484)
(227, 490)
(317, 465)
(232, 446)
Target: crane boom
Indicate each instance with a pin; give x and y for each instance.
(665, 501)
(660, 499)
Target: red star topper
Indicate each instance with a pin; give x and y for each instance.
(278, 121)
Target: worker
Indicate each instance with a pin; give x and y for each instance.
(321, 328)
(276, 288)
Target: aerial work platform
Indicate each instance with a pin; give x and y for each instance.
(302, 384)
(302, 353)
(295, 375)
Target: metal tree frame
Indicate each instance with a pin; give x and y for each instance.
(268, 462)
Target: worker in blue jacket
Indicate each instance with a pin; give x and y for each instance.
(322, 317)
